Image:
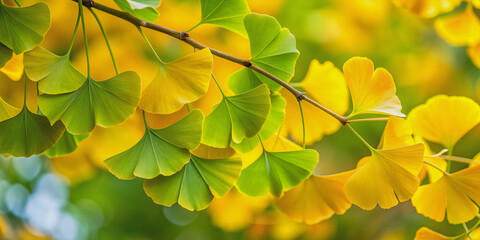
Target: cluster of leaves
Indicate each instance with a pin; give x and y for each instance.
(242, 141)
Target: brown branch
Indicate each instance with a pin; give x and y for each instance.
(185, 37)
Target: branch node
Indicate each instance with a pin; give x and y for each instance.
(184, 35)
(300, 96)
(88, 3)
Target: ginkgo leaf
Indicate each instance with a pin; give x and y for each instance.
(316, 199)
(178, 83)
(195, 185)
(443, 119)
(272, 124)
(27, 134)
(325, 84)
(13, 69)
(205, 151)
(272, 48)
(428, 8)
(454, 193)
(276, 172)
(433, 173)
(160, 151)
(385, 176)
(397, 133)
(103, 103)
(66, 144)
(237, 117)
(54, 74)
(143, 9)
(461, 28)
(371, 91)
(225, 13)
(428, 234)
(5, 54)
(23, 28)
(474, 54)
(6, 110)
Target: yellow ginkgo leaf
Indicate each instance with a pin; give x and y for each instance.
(428, 234)
(474, 54)
(459, 29)
(387, 175)
(428, 8)
(371, 91)
(6, 110)
(324, 83)
(316, 199)
(433, 173)
(205, 151)
(397, 133)
(454, 193)
(444, 119)
(14, 67)
(178, 83)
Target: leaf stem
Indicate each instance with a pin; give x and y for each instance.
(368, 120)
(25, 92)
(361, 138)
(261, 143)
(218, 85)
(185, 37)
(303, 123)
(449, 162)
(18, 4)
(106, 39)
(145, 120)
(467, 231)
(436, 167)
(196, 25)
(453, 158)
(150, 45)
(85, 37)
(74, 33)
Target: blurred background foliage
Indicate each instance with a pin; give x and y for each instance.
(74, 197)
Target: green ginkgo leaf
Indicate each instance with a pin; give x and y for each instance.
(196, 184)
(67, 144)
(27, 134)
(144, 9)
(272, 124)
(6, 110)
(161, 151)
(225, 13)
(276, 172)
(104, 103)
(54, 74)
(23, 28)
(5, 54)
(237, 117)
(272, 48)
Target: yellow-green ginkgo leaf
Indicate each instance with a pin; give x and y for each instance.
(272, 124)
(27, 134)
(144, 9)
(196, 184)
(371, 91)
(454, 193)
(160, 151)
(443, 119)
(272, 48)
(178, 83)
(225, 13)
(237, 117)
(276, 172)
(68, 143)
(428, 8)
(316, 199)
(13, 69)
(54, 74)
(23, 28)
(5, 54)
(6, 110)
(385, 176)
(428, 234)
(461, 28)
(103, 103)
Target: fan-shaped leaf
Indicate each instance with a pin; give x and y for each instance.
(5, 54)
(177, 83)
(67, 144)
(54, 74)
(22, 29)
(160, 151)
(104, 103)
(272, 48)
(27, 134)
(275, 172)
(225, 13)
(6, 110)
(144, 9)
(237, 117)
(195, 185)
